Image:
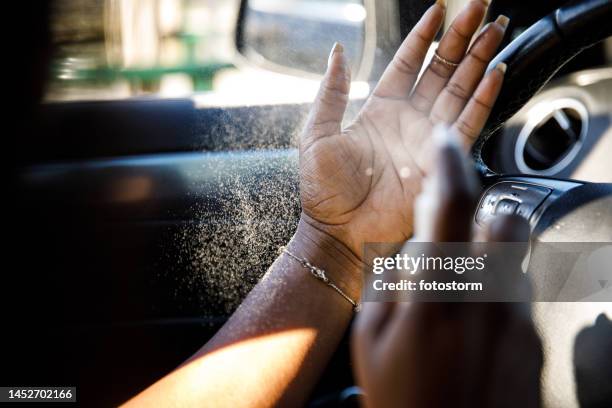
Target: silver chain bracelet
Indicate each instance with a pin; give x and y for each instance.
(320, 275)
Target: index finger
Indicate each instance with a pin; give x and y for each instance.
(456, 190)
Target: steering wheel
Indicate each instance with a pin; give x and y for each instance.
(558, 210)
(540, 51)
(532, 59)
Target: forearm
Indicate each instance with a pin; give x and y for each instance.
(274, 347)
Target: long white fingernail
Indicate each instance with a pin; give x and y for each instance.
(502, 67)
(336, 48)
(502, 21)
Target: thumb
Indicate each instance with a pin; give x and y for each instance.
(325, 118)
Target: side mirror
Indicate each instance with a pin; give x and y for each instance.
(295, 36)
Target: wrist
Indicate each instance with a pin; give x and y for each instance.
(324, 251)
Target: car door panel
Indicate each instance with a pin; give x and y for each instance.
(135, 241)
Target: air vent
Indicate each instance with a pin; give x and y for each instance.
(552, 137)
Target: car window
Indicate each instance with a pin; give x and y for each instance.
(116, 49)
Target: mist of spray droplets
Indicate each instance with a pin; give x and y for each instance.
(242, 222)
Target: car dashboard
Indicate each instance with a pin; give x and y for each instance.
(562, 132)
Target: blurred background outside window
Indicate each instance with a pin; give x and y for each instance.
(115, 49)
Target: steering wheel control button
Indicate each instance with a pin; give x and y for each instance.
(506, 207)
(511, 198)
(486, 208)
(530, 189)
(525, 210)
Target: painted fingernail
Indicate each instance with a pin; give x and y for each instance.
(336, 48)
(441, 3)
(502, 20)
(501, 67)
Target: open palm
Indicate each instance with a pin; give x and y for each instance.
(358, 184)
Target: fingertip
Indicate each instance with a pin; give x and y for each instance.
(503, 21)
(433, 17)
(337, 50)
(446, 137)
(602, 319)
(325, 117)
(440, 135)
(338, 69)
(472, 14)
